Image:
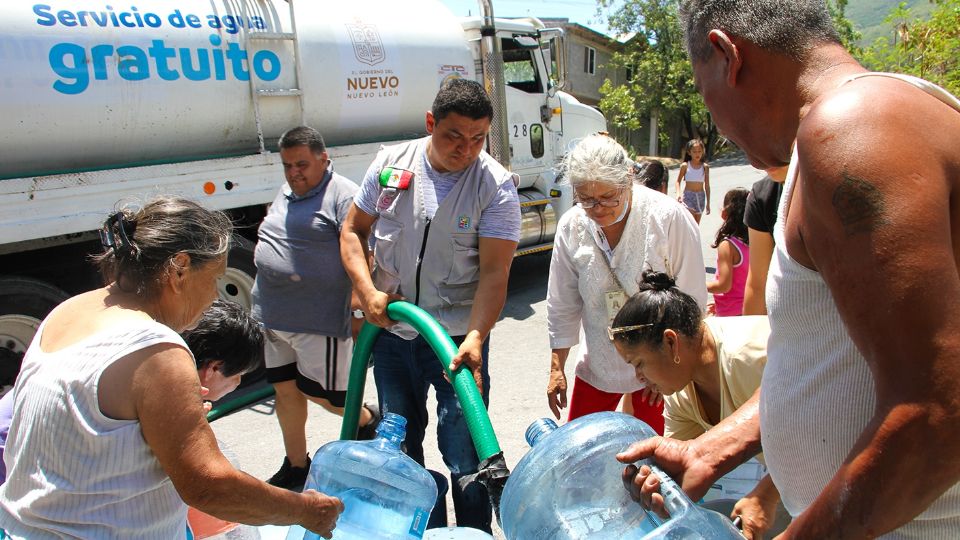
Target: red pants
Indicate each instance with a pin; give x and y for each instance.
(586, 400)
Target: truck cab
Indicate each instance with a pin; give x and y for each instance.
(542, 121)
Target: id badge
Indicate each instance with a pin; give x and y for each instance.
(615, 300)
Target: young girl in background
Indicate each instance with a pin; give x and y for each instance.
(696, 175)
(733, 256)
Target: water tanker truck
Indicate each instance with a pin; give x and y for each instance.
(105, 103)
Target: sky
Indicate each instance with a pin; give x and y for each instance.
(578, 11)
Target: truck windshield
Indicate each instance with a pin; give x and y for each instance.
(519, 68)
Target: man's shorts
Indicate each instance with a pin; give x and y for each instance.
(319, 364)
(695, 201)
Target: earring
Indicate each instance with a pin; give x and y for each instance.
(676, 359)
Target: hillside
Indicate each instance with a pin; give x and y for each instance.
(868, 15)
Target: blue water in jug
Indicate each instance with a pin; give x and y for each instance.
(569, 486)
(385, 493)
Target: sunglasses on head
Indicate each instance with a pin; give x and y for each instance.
(613, 332)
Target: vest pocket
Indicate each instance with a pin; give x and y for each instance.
(457, 295)
(386, 254)
(465, 262)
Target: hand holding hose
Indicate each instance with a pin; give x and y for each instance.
(470, 353)
(375, 308)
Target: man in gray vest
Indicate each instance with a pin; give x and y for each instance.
(445, 220)
(302, 297)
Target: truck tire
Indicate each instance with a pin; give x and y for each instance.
(236, 284)
(24, 302)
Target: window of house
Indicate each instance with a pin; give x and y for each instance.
(589, 60)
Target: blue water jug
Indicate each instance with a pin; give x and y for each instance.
(385, 493)
(569, 486)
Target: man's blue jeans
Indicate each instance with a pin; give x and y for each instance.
(404, 370)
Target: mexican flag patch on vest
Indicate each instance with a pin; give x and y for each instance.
(395, 178)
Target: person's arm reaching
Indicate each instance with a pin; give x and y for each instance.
(882, 233)
(758, 509)
(685, 257)
(564, 312)
(165, 394)
(496, 256)
(354, 253)
(754, 292)
(695, 464)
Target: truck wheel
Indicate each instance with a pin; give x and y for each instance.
(236, 284)
(24, 302)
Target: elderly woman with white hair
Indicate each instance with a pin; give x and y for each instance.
(603, 244)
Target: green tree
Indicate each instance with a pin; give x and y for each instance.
(927, 48)
(661, 79)
(849, 36)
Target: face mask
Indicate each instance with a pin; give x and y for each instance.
(623, 213)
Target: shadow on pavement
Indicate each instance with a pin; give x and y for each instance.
(528, 285)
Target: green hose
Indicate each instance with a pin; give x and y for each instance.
(362, 349)
(227, 407)
(478, 421)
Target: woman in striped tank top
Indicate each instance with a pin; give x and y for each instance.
(108, 438)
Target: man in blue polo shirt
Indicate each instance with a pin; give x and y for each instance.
(302, 297)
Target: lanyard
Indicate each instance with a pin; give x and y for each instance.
(606, 263)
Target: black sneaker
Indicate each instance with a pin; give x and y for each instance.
(290, 477)
(368, 431)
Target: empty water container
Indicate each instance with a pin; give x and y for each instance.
(569, 486)
(385, 493)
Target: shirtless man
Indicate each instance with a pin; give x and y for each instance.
(860, 400)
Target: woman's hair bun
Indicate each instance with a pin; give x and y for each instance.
(658, 281)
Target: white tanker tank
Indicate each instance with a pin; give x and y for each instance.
(106, 102)
(154, 81)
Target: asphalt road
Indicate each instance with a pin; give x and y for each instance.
(519, 362)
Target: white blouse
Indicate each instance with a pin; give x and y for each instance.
(660, 235)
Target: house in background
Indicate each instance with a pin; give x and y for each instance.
(588, 54)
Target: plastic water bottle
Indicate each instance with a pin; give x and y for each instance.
(569, 487)
(385, 493)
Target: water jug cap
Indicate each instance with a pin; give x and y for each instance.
(393, 427)
(538, 429)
